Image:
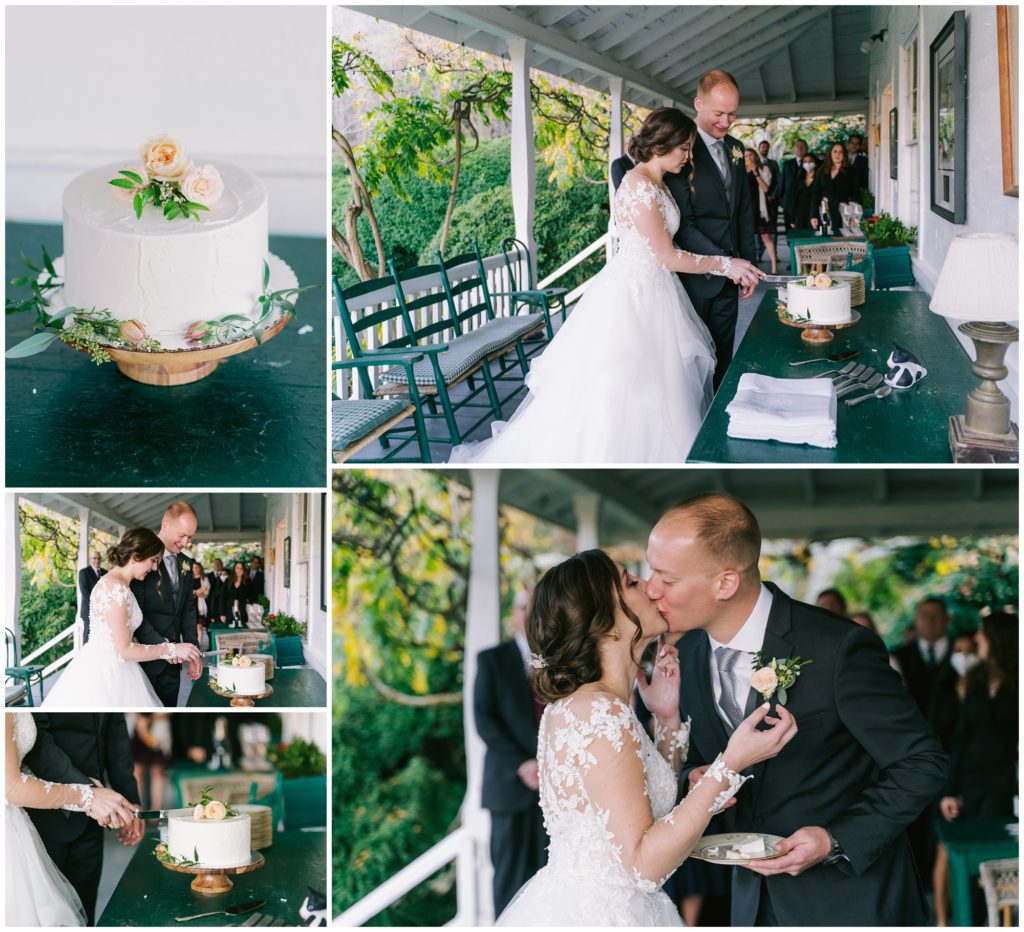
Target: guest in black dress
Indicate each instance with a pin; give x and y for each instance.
(236, 594)
(762, 206)
(201, 590)
(837, 182)
(803, 195)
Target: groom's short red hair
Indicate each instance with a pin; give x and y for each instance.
(708, 81)
(176, 509)
(725, 527)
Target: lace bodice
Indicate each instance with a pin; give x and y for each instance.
(24, 734)
(114, 615)
(646, 218)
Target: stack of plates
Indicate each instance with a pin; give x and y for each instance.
(856, 280)
(267, 661)
(262, 820)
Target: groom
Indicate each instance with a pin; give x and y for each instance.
(81, 747)
(864, 763)
(167, 603)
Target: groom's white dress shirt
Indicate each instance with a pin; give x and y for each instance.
(748, 639)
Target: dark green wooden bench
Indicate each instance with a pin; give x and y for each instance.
(519, 267)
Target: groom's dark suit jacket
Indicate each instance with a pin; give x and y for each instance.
(166, 615)
(864, 764)
(74, 747)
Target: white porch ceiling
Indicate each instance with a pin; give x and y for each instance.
(221, 515)
(822, 504)
(788, 60)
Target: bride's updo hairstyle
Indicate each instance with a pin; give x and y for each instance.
(573, 607)
(664, 129)
(140, 543)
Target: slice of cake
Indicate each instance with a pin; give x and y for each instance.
(207, 840)
(240, 675)
(819, 300)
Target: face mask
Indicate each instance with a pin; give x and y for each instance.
(963, 663)
(808, 166)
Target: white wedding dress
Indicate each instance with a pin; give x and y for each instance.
(36, 894)
(100, 677)
(627, 378)
(582, 743)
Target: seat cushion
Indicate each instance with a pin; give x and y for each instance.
(354, 418)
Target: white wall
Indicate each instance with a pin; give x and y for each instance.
(247, 84)
(988, 209)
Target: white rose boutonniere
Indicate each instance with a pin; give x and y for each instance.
(736, 152)
(184, 565)
(776, 676)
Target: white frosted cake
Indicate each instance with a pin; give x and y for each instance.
(243, 680)
(225, 842)
(819, 300)
(166, 274)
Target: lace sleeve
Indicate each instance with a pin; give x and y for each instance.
(29, 792)
(115, 609)
(614, 783)
(637, 206)
(673, 741)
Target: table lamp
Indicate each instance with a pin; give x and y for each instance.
(978, 285)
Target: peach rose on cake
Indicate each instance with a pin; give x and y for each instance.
(127, 194)
(216, 810)
(203, 185)
(199, 812)
(164, 158)
(133, 332)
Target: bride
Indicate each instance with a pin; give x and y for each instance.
(37, 893)
(627, 378)
(105, 673)
(606, 789)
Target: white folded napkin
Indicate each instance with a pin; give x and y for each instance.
(787, 410)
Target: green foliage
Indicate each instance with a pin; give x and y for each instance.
(818, 132)
(299, 758)
(888, 231)
(284, 626)
(44, 612)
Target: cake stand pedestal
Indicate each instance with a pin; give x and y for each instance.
(181, 367)
(211, 881)
(236, 699)
(819, 333)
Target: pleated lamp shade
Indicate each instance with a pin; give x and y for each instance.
(978, 281)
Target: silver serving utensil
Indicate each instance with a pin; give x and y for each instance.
(856, 379)
(230, 911)
(852, 377)
(832, 373)
(835, 357)
(871, 383)
(877, 393)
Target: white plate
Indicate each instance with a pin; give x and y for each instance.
(704, 849)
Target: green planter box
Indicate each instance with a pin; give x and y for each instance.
(289, 651)
(892, 267)
(305, 802)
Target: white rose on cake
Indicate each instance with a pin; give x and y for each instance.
(203, 185)
(164, 158)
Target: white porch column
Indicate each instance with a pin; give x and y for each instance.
(587, 506)
(483, 629)
(524, 169)
(615, 142)
(83, 561)
(12, 546)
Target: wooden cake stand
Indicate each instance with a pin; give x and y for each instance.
(214, 880)
(237, 700)
(182, 367)
(819, 333)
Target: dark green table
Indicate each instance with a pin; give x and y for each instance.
(970, 842)
(259, 420)
(149, 894)
(303, 688)
(910, 426)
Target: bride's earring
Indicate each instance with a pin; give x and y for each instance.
(615, 634)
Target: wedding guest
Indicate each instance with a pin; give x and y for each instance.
(837, 184)
(832, 600)
(858, 159)
(237, 594)
(256, 578)
(762, 206)
(865, 620)
(802, 197)
(508, 712)
(922, 660)
(218, 593)
(763, 147)
(791, 172)
(151, 749)
(201, 589)
(88, 576)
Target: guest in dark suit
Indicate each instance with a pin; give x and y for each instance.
(507, 713)
(714, 206)
(88, 576)
(236, 593)
(168, 603)
(863, 763)
(858, 159)
(790, 173)
(82, 747)
(925, 658)
(836, 182)
(257, 581)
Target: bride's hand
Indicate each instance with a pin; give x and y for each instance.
(748, 746)
(110, 808)
(188, 653)
(744, 273)
(661, 693)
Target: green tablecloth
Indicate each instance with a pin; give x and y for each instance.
(303, 688)
(970, 842)
(258, 420)
(909, 426)
(149, 894)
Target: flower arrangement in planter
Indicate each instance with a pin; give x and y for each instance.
(886, 231)
(298, 758)
(285, 625)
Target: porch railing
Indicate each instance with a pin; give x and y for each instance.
(65, 658)
(460, 847)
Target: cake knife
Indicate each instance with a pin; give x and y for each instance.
(230, 911)
(152, 814)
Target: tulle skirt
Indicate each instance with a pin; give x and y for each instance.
(37, 894)
(551, 898)
(627, 379)
(95, 679)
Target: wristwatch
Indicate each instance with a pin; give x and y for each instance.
(835, 851)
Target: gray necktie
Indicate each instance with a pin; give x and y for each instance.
(726, 658)
(172, 570)
(722, 157)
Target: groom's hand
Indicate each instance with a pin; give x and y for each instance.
(804, 848)
(132, 833)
